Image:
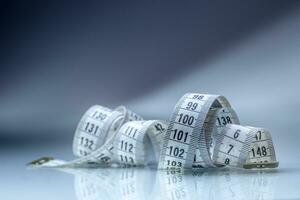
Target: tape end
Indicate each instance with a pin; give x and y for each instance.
(40, 161)
(273, 164)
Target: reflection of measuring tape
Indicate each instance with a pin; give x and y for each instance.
(141, 183)
(203, 131)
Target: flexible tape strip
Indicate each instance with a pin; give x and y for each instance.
(233, 145)
(104, 153)
(129, 115)
(93, 138)
(132, 141)
(95, 126)
(191, 115)
(220, 118)
(195, 115)
(199, 135)
(262, 152)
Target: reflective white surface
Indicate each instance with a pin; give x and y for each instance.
(145, 184)
(17, 182)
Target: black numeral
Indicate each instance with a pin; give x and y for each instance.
(87, 143)
(224, 120)
(174, 163)
(237, 133)
(177, 152)
(83, 153)
(126, 146)
(186, 119)
(258, 135)
(230, 148)
(227, 161)
(126, 159)
(192, 106)
(159, 127)
(180, 135)
(99, 115)
(91, 128)
(261, 151)
(131, 131)
(197, 96)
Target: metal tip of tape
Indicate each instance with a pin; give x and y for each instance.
(274, 164)
(40, 161)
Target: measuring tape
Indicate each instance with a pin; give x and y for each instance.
(200, 120)
(94, 136)
(136, 140)
(203, 132)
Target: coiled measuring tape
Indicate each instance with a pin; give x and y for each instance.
(197, 119)
(134, 141)
(203, 131)
(94, 136)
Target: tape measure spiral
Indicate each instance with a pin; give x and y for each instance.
(203, 131)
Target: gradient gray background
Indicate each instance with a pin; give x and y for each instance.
(60, 57)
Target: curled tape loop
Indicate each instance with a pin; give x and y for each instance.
(203, 131)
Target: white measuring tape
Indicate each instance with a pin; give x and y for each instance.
(203, 131)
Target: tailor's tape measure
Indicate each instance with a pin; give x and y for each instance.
(197, 121)
(94, 136)
(203, 131)
(191, 117)
(134, 141)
